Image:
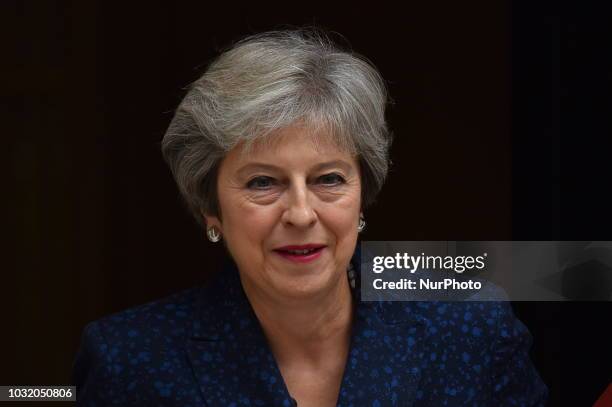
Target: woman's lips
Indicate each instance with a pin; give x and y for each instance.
(301, 258)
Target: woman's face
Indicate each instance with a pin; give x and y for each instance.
(290, 192)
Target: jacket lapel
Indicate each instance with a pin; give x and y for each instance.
(229, 352)
(383, 364)
(383, 367)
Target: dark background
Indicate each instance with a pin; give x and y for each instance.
(501, 116)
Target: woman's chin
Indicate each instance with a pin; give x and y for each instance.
(310, 287)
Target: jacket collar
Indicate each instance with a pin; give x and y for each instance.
(232, 361)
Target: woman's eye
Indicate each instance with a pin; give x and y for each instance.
(260, 183)
(331, 179)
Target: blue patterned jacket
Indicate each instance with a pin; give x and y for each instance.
(205, 347)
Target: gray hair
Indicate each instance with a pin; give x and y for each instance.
(267, 82)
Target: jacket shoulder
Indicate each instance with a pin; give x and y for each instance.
(167, 315)
(130, 357)
(480, 344)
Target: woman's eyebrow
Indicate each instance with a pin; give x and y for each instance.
(335, 163)
(257, 166)
(270, 167)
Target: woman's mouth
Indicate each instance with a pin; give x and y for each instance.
(303, 254)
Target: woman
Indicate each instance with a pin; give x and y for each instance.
(277, 149)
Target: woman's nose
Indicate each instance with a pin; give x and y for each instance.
(299, 210)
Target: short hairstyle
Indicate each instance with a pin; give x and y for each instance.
(271, 81)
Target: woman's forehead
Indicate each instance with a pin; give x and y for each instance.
(292, 142)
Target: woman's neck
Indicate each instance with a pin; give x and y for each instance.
(308, 331)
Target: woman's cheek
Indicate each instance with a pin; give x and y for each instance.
(258, 222)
